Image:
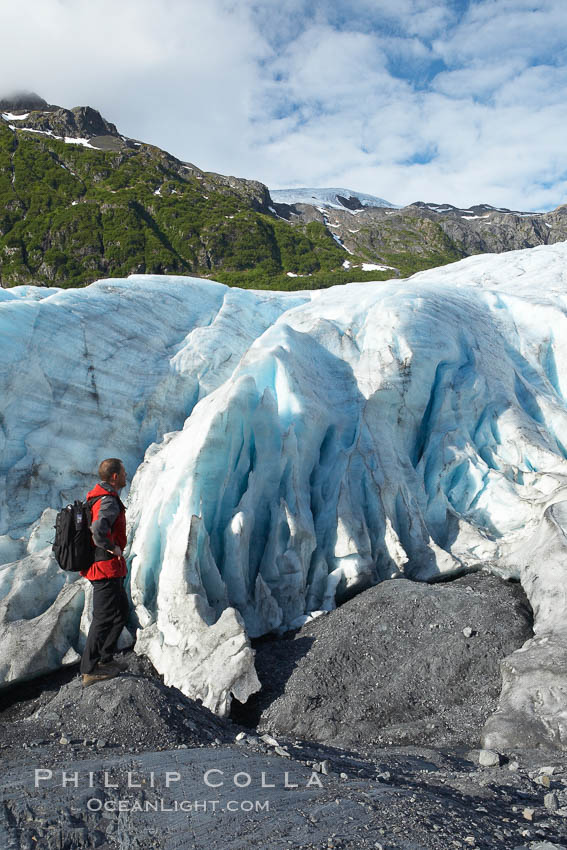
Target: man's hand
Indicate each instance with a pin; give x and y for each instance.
(118, 551)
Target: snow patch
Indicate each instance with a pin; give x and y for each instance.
(41, 132)
(373, 267)
(338, 241)
(84, 142)
(67, 139)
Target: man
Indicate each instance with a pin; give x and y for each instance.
(106, 574)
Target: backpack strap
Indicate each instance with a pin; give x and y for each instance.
(90, 503)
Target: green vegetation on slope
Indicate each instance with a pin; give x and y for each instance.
(410, 244)
(70, 215)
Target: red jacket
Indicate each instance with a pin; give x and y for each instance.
(112, 566)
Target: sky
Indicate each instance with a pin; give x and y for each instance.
(449, 101)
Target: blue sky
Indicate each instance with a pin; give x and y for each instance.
(459, 101)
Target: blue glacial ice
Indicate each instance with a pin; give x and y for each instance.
(288, 450)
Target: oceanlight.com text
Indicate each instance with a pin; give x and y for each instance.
(161, 805)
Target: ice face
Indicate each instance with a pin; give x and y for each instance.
(291, 449)
(117, 364)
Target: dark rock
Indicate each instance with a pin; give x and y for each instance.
(358, 802)
(253, 191)
(135, 710)
(374, 672)
(82, 122)
(352, 203)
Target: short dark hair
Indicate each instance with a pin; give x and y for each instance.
(108, 467)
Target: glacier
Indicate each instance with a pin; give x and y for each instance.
(288, 450)
(327, 198)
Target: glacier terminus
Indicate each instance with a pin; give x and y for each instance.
(287, 451)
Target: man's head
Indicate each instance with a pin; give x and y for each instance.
(112, 472)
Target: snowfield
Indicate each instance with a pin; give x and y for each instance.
(286, 451)
(327, 198)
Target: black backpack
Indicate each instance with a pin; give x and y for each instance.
(73, 546)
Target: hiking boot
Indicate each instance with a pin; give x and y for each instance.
(108, 667)
(115, 662)
(99, 674)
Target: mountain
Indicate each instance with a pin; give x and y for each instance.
(420, 235)
(79, 201)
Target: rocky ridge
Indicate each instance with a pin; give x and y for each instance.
(31, 112)
(237, 247)
(429, 232)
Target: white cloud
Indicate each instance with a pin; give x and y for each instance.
(478, 80)
(172, 73)
(510, 29)
(314, 92)
(535, 87)
(329, 67)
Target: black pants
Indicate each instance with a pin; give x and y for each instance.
(110, 612)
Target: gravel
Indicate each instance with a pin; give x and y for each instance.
(393, 665)
(119, 742)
